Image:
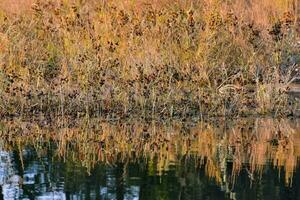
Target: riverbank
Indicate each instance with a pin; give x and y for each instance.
(163, 59)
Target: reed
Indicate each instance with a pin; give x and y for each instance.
(160, 59)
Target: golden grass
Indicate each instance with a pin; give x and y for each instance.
(162, 58)
(16, 6)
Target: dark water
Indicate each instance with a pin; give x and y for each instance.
(48, 177)
(39, 170)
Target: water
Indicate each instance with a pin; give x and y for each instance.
(256, 159)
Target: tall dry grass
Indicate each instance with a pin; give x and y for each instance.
(162, 58)
(16, 6)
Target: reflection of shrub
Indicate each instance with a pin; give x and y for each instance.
(224, 149)
(162, 58)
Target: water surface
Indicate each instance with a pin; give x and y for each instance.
(244, 159)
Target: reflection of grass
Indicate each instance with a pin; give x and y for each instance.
(248, 146)
(131, 57)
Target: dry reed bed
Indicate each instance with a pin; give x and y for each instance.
(163, 58)
(249, 146)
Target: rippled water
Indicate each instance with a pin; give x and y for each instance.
(222, 162)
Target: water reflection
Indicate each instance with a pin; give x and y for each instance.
(92, 159)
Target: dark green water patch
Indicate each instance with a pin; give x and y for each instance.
(49, 177)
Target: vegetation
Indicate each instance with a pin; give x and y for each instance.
(160, 59)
